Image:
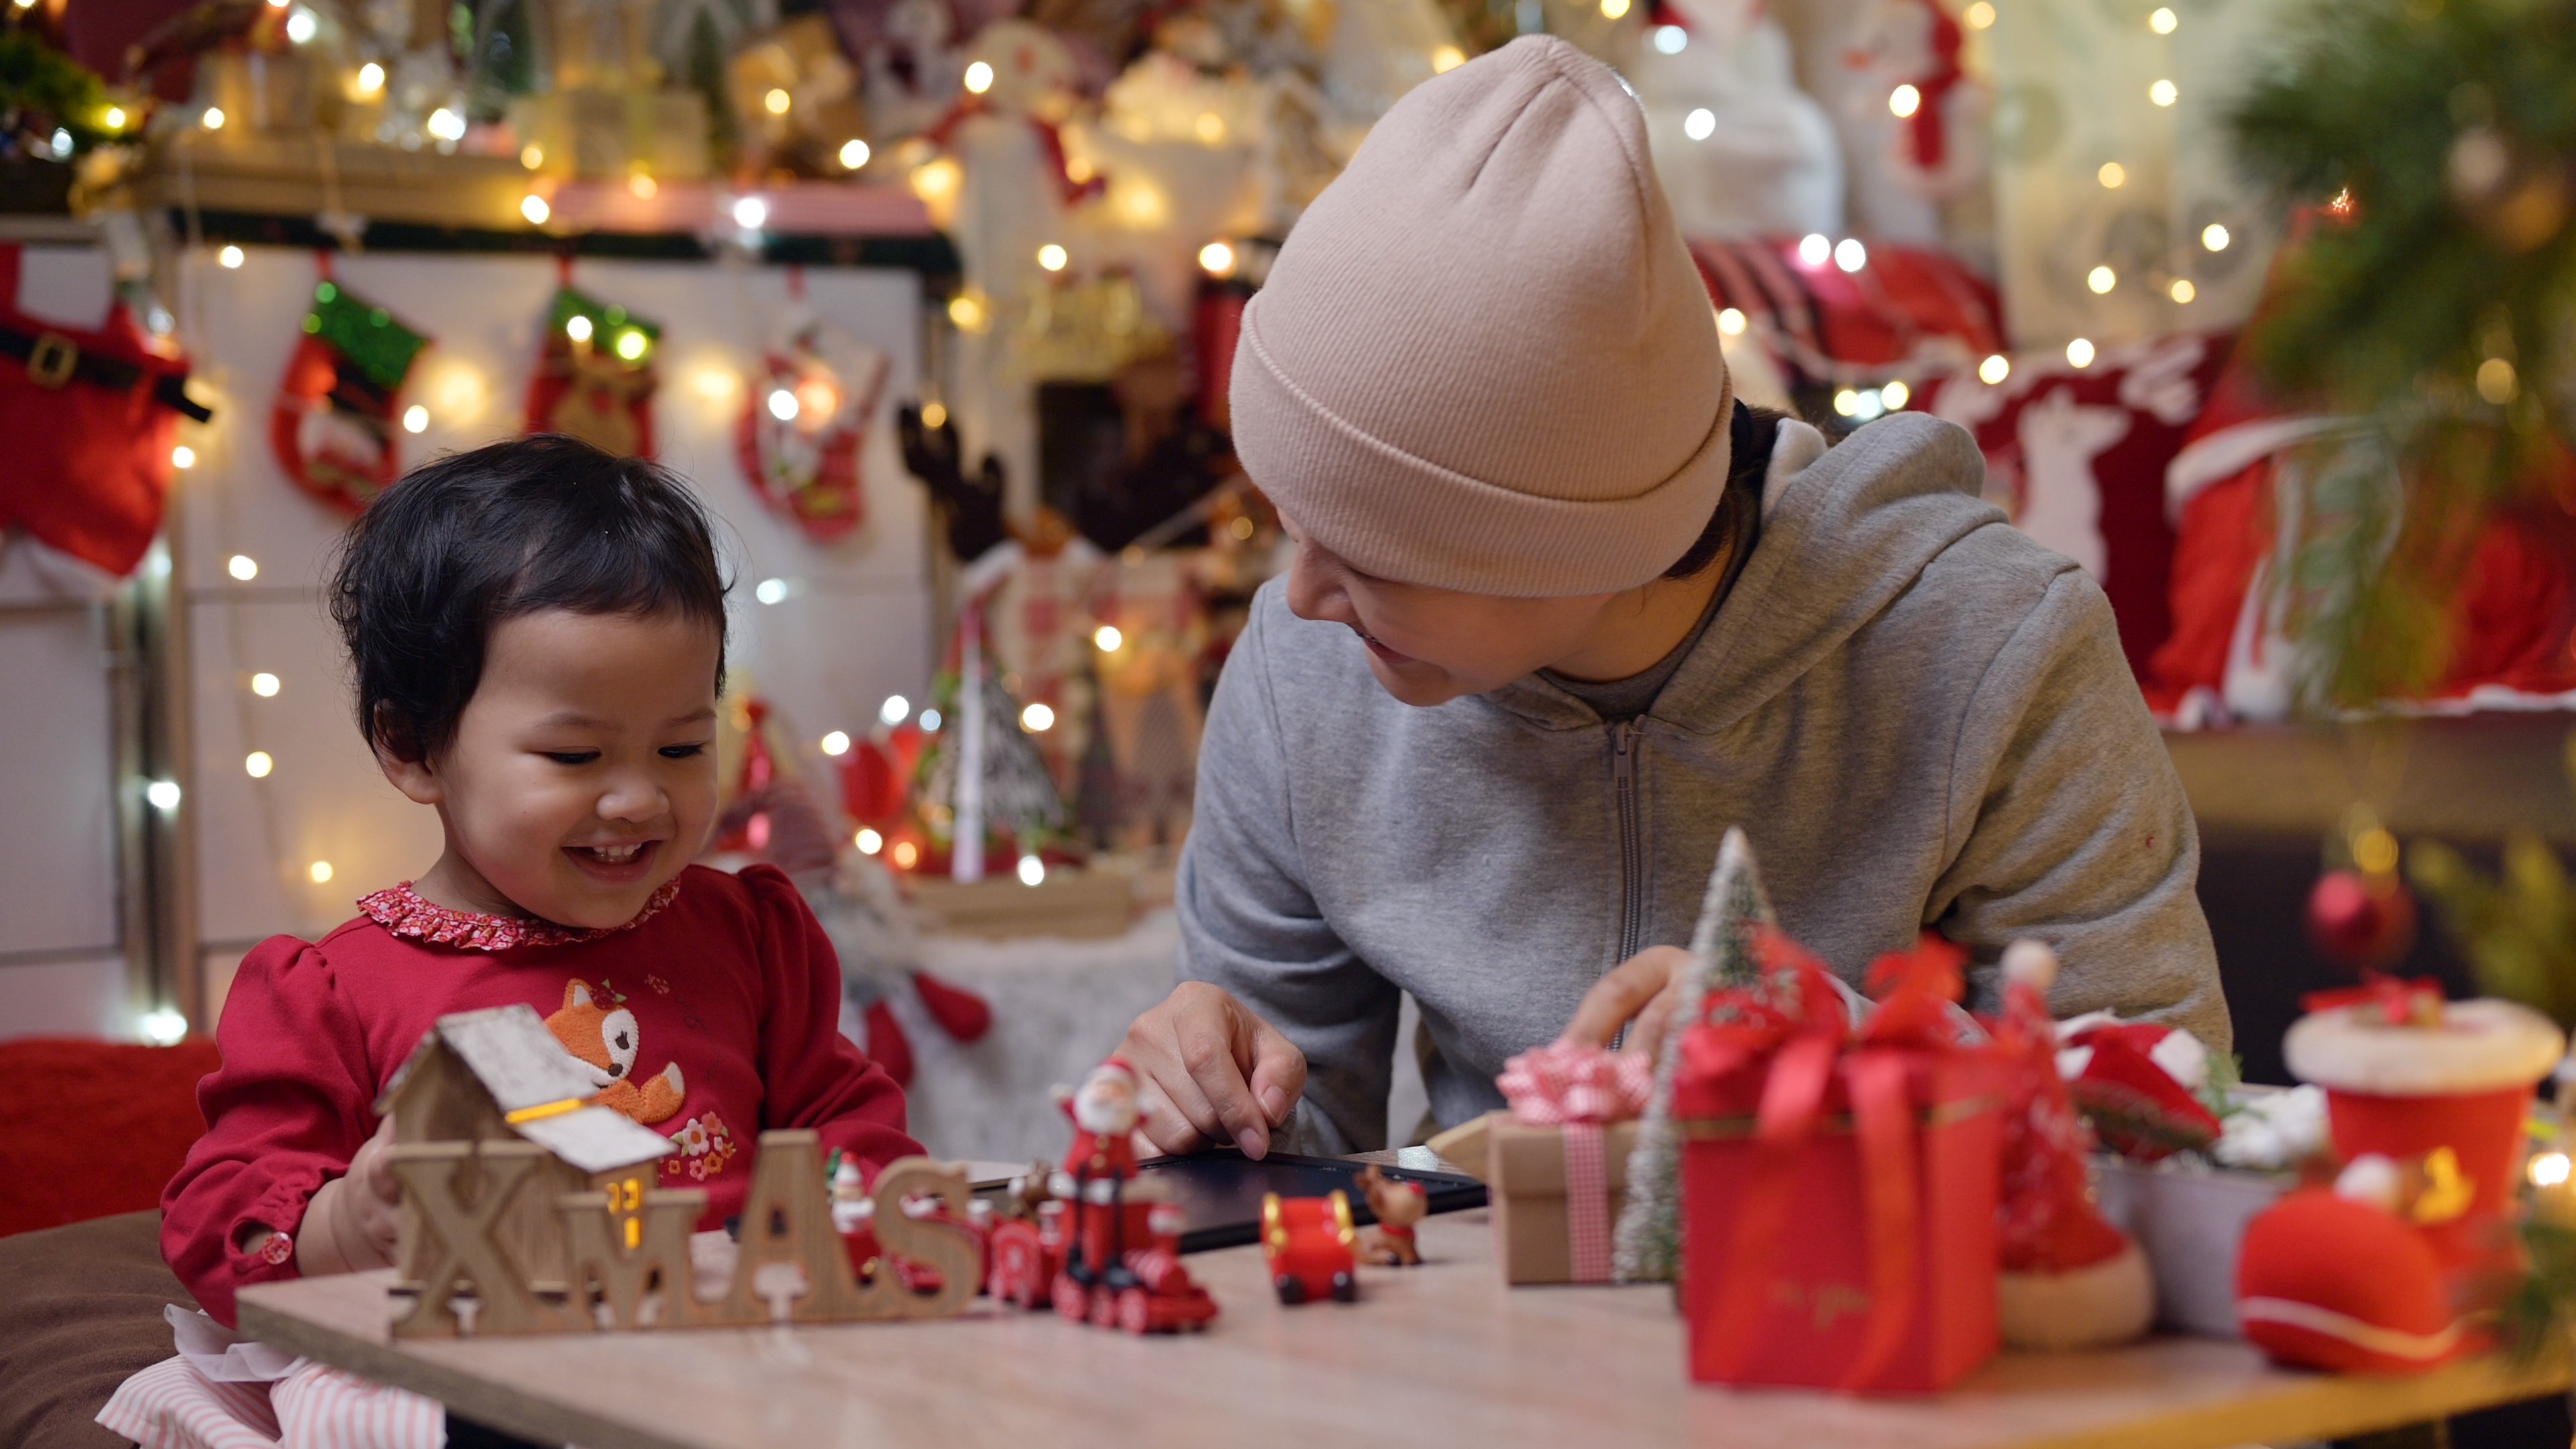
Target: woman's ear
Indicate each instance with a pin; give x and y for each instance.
(415, 778)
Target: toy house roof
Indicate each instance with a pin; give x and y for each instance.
(512, 1056)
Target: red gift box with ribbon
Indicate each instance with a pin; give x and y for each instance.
(1839, 1183)
(1557, 1162)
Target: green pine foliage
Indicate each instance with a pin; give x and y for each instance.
(2433, 308)
(2518, 930)
(43, 90)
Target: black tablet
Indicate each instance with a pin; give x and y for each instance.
(1220, 1192)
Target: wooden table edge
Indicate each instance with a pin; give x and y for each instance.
(493, 1405)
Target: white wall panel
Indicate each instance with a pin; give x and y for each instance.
(57, 807)
(81, 996)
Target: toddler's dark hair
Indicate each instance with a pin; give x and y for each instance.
(440, 559)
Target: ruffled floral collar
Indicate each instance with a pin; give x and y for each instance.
(401, 910)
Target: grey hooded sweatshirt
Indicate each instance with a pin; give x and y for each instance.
(1920, 717)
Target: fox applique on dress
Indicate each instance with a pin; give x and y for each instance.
(605, 1040)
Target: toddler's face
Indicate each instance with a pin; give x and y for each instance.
(583, 774)
(1428, 646)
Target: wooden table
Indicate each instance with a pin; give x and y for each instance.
(1442, 1354)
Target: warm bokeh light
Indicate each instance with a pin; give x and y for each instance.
(1994, 369)
(264, 685)
(2080, 352)
(242, 566)
(1107, 639)
(1037, 719)
(319, 871)
(257, 764)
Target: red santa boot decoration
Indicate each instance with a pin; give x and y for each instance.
(2442, 1088)
(2069, 1278)
(2344, 1280)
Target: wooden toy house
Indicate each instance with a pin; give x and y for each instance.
(499, 1077)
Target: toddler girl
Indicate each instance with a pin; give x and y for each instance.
(537, 633)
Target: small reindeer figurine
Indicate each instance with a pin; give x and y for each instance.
(1398, 1206)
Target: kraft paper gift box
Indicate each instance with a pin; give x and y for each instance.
(1537, 1205)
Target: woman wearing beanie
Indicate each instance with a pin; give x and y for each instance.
(1562, 611)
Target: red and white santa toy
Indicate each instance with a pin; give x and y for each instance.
(1104, 1110)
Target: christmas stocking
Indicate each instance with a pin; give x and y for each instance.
(333, 421)
(802, 428)
(595, 375)
(88, 410)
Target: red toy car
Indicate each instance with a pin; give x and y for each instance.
(1309, 1242)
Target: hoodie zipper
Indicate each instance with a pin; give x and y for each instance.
(1632, 849)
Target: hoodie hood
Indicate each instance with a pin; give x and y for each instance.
(1841, 538)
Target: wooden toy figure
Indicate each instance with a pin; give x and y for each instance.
(1101, 1246)
(1397, 1206)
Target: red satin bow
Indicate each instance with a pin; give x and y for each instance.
(1790, 1033)
(2400, 1002)
(1563, 1082)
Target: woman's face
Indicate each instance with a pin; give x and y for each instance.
(1429, 646)
(583, 773)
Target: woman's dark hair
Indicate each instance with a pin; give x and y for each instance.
(1751, 435)
(460, 544)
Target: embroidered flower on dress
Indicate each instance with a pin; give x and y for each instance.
(706, 1145)
(401, 910)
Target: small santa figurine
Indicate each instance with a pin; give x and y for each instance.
(1104, 1112)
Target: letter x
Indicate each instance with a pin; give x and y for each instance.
(467, 1251)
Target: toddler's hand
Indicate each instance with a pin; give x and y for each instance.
(352, 1223)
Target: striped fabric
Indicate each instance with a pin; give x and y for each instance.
(172, 1405)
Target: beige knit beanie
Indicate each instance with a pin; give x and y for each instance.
(1484, 360)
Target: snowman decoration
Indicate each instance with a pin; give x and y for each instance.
(1740, 150)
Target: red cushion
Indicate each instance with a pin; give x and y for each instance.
(94, 1127)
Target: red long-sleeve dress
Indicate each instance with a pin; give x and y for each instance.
(710, 1017)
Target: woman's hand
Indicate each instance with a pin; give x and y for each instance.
(353, 1221)
(1642, 990)
(1216, 1072)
